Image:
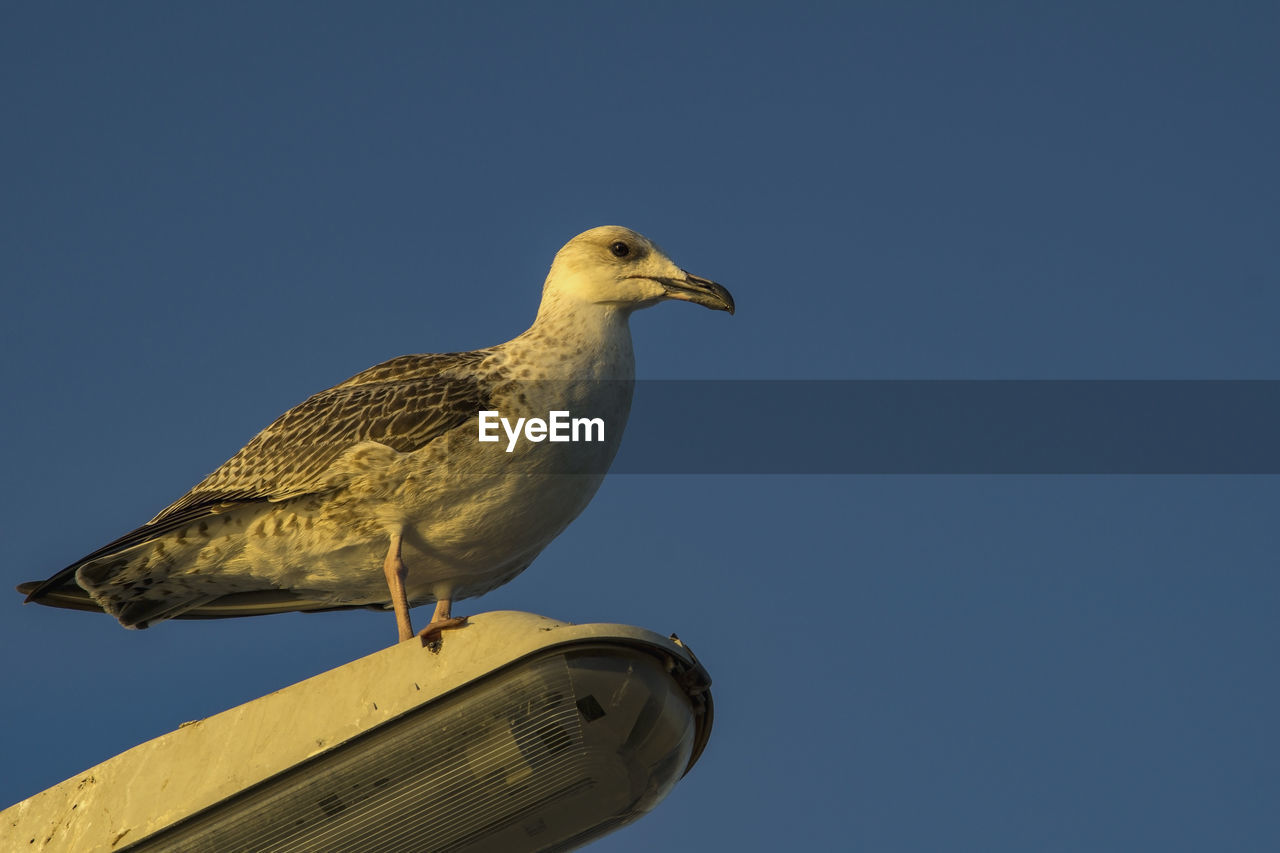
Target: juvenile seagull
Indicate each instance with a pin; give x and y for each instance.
(386, 469)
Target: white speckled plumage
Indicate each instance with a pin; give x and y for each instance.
(302, 516)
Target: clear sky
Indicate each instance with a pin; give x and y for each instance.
(211, 211)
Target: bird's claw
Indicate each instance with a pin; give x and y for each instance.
(431, 635)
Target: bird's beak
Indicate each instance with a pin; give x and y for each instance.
(691, 288)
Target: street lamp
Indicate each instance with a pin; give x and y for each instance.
(517, 733)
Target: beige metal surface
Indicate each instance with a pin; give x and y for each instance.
(169, 778)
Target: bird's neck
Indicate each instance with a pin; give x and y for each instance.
(578, 341)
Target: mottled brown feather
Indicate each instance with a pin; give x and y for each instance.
(403, 403)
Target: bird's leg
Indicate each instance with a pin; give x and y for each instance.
(440, 621)
(396, 573)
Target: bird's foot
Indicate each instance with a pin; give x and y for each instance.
(431, 635)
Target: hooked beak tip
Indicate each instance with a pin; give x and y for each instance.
(702, 291)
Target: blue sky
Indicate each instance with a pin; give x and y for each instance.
(210, 213)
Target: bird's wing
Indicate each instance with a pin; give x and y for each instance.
(259, 602)
(403, 403)
(254, 603)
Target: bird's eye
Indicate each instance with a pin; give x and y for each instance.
(619, 249)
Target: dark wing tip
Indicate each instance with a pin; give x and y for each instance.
(62, 584)
(69, 597)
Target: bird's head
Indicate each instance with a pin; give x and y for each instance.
(615, 266)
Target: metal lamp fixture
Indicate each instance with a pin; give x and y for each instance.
(519, 733)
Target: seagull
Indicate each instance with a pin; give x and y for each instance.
(379, 491)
